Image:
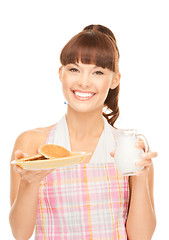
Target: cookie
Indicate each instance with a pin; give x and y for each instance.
(54, 151)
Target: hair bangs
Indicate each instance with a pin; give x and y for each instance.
(90, 47)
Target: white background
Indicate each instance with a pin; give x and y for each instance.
(32, 36)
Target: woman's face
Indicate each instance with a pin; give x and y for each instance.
(85, 86)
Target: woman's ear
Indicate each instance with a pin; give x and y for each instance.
(60, 73)
(116, 80)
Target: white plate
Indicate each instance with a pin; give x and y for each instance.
(76, 157)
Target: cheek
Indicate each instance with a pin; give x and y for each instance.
(104, 88)
(65, 82)
(65, 89)
(68, 80)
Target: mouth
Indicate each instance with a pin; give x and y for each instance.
(83, 96)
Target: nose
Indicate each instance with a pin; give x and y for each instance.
(84, 80)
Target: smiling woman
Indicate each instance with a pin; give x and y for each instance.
(96, 45)
(86, 86)
(92, 47)
(90, 200)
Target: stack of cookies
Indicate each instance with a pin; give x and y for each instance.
(48, 151)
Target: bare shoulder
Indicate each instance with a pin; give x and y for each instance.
(29, 141)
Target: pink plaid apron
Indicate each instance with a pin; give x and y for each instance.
(83, 202)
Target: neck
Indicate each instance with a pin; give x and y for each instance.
(84, 125)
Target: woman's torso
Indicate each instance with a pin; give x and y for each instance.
(85, 201)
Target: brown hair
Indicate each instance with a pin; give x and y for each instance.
(96, 44)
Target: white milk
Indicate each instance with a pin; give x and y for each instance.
(126, 154)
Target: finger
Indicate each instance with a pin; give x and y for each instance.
(41, 172)
(18, 169)
(39, 175)
(142, 172)
(150, 155)
(144, 163)
(46, 173)
(19, 154)
(141, 144)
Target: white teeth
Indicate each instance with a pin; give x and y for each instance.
(81, 94)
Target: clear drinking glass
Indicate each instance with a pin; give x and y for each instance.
(126, 154)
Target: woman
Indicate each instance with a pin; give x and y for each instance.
(89, 200)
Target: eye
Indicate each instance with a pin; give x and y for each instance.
(73, 70)
(99, 73)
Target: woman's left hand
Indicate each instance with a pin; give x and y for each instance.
(146, 161)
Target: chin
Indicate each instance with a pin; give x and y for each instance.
(84, 109)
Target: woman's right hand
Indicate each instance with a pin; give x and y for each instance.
(30, 176)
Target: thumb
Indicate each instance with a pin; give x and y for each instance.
(19, 154)
(17, 168)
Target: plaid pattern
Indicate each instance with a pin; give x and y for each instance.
(86, 201)
(83, 202)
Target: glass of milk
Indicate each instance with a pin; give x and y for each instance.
(126, 154)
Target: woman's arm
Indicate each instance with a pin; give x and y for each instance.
(23, 212)
(24, 189)
(141, 221)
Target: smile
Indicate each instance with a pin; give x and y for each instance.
(83, 95)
